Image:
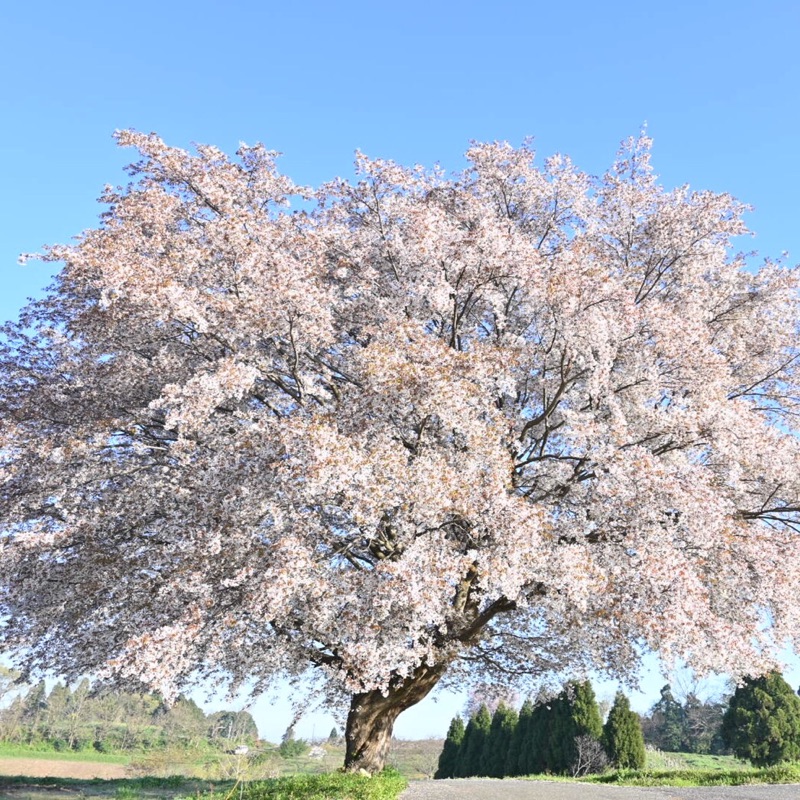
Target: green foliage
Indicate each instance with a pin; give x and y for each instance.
(692, 726)
(762, 723)
(471, 754)
(293, 748)
(452, 744)
(667, 715)
(331, 786)
(35, 702)
(584, 711)
(44, 752)
(573, 713)
(232, 726)
(75, 719)
(498, 743)
(535, 756)
(622, 735)
(786, 773)
(702, 724)
(519, 740)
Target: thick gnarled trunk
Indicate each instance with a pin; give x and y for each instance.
(372, 715)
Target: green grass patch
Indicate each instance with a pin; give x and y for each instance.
(20, 751)
(659, 760)
(172, 788)
(710, 763)
(785, 773)
(689, 769)
(333, 786)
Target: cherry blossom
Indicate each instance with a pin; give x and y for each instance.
(507, 422)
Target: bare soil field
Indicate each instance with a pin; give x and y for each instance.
(45, 768)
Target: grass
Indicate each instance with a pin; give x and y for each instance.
(332, 786)
(689, 769)
(413, 759)
(266, 776)
(215, 776)
(786, 773)
(27, 788)
(20, 751)
(659, 760)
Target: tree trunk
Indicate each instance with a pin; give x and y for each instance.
(372, 715)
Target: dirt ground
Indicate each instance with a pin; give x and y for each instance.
(42, 768)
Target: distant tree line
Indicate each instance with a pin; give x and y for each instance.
(760, 723)
(564, 735)
(691, 726)
(81, 718)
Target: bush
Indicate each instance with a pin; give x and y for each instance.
(293, 748)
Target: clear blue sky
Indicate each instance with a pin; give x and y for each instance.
(716, 81)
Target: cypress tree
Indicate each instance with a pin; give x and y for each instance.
(452, 744)
(559, 733)
(471, 753)
(462, 767)
(574, 713)
(536, 757)
(504, 722)
(622, 735)
(585, 711)
(514, 762)
(762, 723)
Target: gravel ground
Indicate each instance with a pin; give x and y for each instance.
(486, 789)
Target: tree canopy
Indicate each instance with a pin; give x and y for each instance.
(762, 722)
(448, 758)
(622, 735)
(517, 419)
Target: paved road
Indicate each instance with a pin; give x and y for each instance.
(487, 789)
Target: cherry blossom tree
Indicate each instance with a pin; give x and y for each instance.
(508, 422)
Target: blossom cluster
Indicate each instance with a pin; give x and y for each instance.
(516, 419)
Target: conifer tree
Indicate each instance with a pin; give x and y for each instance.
(536, 757)
(448, 759)
(762, 723)
(517, 748)
(504, 722)
(585, 711)
(574, 713)
(560, 730)
(471, 754)
(622, 735)
(668, 718)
